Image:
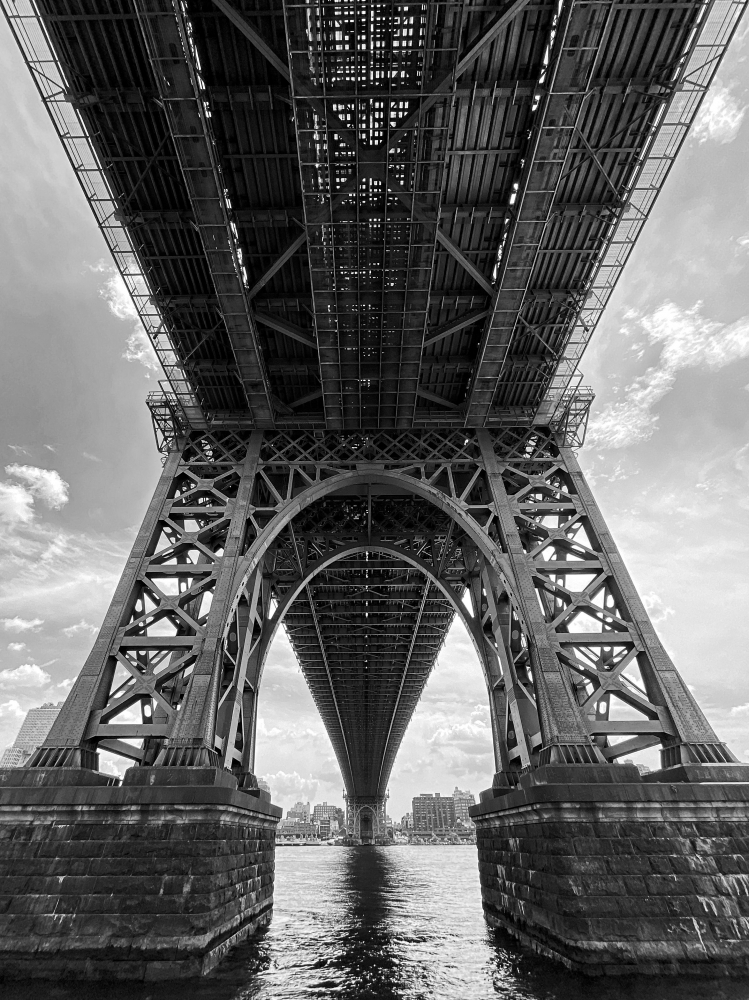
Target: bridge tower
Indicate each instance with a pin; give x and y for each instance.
(370, 242)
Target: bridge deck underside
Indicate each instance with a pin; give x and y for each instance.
(415, 243)
(367, 629)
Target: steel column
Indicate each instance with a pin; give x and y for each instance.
(565, 735)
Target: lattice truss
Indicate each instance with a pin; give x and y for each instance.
(365, 546)
(369, 213)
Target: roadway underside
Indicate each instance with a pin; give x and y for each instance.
(368, 627)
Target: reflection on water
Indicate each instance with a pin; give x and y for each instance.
(385, 923)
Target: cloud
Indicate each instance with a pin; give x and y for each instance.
(82, 626)
(66, 685)
(43, 484)
(21, 624)
(292, 786)
(19, 449)
(16, 647)
(50, 448)
(740, 710)
(117, 297)
(720, 116)
(16, 504)
(90, 457)
(688, 340)
(27, 675)
(656, 608)
(11, 710)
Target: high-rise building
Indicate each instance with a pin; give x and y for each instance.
(299, 811)
(463, 801)
(432, 813)
(407, 821)
(33, 732)
(323, 811)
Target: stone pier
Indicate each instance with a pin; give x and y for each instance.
(613, 874)
(155, 878)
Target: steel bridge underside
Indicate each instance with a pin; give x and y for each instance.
(367, 628)
(347, 216)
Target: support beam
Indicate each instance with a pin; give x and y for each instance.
(278, 263)
(287, 329)
(455, 325)
(181, 95)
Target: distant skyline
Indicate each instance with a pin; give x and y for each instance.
(668, 451)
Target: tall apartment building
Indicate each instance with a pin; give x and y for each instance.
(432, 813)
(324, 811)
(463, 801)
(33, 732)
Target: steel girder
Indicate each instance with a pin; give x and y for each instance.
(319, 207)
(365, 546)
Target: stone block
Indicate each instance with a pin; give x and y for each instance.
(149, 880)
(670, 897)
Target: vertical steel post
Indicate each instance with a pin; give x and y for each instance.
(192, 739)
(565, 735)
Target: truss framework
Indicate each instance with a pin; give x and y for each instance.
(433, 240)
(365, 546)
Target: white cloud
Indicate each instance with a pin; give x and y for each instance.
(11, 710)
(66, 685)
(287, 786)
(720, 117)
(16, 647)
(688, 340)
(19, 449)
(21, 624)
(82, 626)
(43, 484)
(16, 504)
(740, 710)
(117, 297)
(90, 457)
(27, 675)
(655, 607)
(50, 448)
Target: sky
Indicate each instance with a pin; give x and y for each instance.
(667, 449)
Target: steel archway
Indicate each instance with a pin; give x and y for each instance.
(288, 511)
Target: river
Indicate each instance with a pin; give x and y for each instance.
(395, 923)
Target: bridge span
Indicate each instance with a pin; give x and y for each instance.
(370, 242)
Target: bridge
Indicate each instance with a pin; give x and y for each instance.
(369, 242)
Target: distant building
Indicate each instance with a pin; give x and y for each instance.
(463, 801)
(264, 785)
(324, 811)
(33, 732)
(299, 811)
(296, 828)
(407, 821)
(432, 813)
(324, 826)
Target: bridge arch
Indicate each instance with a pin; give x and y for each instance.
(489, 647)
(487, 656)
(358, 548)
(365, 477)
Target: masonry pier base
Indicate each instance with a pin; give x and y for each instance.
(156, 878)
(613, 874)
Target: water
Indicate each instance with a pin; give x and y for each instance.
(396, 923)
